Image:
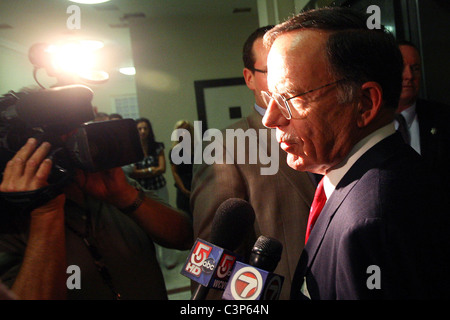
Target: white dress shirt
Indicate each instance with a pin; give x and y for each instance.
(412, 124)
(334, 176)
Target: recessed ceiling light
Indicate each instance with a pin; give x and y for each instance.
(89, 1)
(129, 71)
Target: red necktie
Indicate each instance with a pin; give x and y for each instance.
(319, 201)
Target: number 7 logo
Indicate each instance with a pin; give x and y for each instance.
(246, 284)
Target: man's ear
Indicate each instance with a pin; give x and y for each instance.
(370, 103)
(249, 78)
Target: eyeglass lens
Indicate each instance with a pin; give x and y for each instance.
(279, 101)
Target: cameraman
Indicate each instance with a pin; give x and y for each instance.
(85, 226)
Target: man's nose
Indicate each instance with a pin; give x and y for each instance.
(273, 117)
(408, 72)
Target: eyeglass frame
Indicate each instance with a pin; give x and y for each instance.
(285, 100)
(258, 70)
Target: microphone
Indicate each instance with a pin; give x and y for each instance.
(266, 253)
(210, 263)
(255, 281)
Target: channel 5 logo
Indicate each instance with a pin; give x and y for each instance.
(198, 256)
(225, 266)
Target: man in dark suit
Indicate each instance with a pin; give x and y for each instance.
(334, 87)
(426, 121)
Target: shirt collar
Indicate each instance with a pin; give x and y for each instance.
(332, 178)
(260, 110)
(409, 114)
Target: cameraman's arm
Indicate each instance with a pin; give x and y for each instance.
(43, 271)
(166, 226)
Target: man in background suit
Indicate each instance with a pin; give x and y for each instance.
(281, 201)
(334, 88)
(426, 121)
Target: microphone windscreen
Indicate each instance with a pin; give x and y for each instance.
(233, 220)
(266, 253)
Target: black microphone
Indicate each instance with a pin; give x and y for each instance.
(234, 218)
(210, 263)
(255, 280)
(67, 106)
(266, 253)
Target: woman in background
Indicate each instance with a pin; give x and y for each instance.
(149, 172)
(182, 173)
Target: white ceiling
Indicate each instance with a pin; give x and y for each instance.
(25, 22)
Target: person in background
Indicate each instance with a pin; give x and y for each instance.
(423, 123)
(149, 173)
(182, 173)
(101, 116)
(115, 116)
(281, 200)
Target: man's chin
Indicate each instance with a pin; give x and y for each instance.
(296, 162)
(301, 164)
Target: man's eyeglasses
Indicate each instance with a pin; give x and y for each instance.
(259, 70)
(284, 104)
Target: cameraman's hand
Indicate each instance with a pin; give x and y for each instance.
(109, 185)
(45, 254)
(29, 169)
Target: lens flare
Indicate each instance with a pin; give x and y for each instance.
(78, 58)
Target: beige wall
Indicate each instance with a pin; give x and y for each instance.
(15, 70)
(170, 54)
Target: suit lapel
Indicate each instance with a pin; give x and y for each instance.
(325, 218)
(377, 154)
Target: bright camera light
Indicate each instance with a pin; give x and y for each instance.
(77, 58)
(72, 57)
(92, 44)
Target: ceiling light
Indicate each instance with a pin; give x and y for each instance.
(129, 71)
(89, 1)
